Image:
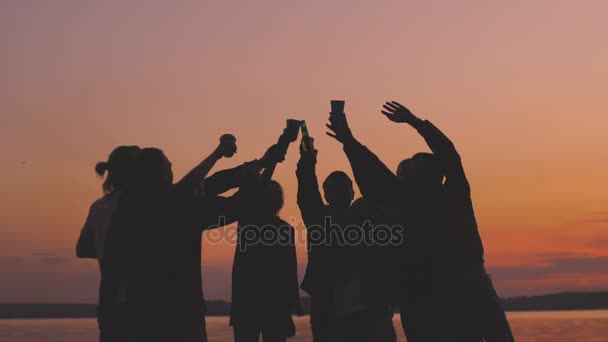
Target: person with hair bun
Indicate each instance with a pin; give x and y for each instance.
(121, 172)
(151, 271)
(118, 170)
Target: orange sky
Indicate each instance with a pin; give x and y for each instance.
(519, 86)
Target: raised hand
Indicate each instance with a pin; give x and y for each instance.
(227, 146)
(338, 125)
(396, 112)
(273, 155)
(310, 153)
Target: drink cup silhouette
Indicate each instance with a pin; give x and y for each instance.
(337, 106)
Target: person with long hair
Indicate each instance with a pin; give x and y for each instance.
(264, 273)
(153, 250)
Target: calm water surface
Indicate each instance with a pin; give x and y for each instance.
(550, 326)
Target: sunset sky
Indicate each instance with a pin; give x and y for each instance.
(521, 87)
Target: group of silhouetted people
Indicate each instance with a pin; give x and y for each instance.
(410, 243)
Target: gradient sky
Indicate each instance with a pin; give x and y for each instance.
(519, 86)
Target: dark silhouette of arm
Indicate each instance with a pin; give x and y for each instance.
(85, 247)
(441, 146)
(445, 151)
(309, 197)
(224, 180)
(247, 173)
(226, 148)
(376, 182)
(198, 173)
(219, 211)
(275, 154)
(245, 177)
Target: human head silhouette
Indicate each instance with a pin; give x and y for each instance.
(421, 172)
(152, 170)
(270, 200)
(119, 167)
(338, 190)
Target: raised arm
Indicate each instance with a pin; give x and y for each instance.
(246, 177)
(375, 180)
(219, 211)
(224, 180)
(276, 153)
(226, 148)
(310, 201)
(438, 142)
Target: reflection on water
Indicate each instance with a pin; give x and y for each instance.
(560, 326)
(527, 326)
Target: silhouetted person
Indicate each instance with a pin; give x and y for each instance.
(367, 269)
(446, 293)
(348, 302)
(118, 168)
(264, 274)
(153, 250)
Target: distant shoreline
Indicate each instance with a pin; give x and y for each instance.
(304, 315)
(564, 301)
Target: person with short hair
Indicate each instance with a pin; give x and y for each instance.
(446, 293)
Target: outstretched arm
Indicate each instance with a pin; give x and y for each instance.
(219, 211)
(438, 142)
(244, 174)
(310, 201)
(226, 148)
(374, 179)
(276, 154)
(224, 180)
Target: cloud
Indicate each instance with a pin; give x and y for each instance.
(599, 242)
(581, 265)
(517, 273)
(554, 255)
(593, 218)
(52, 257)
(9, 262)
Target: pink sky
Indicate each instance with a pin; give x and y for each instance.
(519, 86)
